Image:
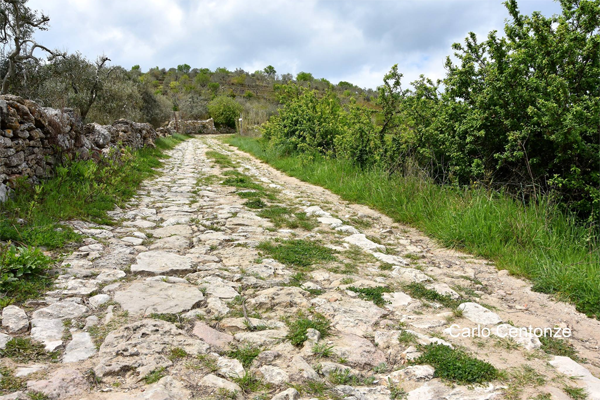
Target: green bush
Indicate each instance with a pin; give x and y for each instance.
(225, 111)
(456, 365)
(24, 271)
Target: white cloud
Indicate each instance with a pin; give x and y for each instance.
(351, 40)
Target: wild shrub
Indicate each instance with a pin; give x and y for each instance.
(225, 111)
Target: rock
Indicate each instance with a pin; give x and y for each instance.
(240, 324)
(109, 276)
(437, 390)
(16, 396)
(167, 388)
(80, 348)
(314, 210)
(4, 339)
(333, 222)
(302, 369)
(264, 338)
(411, 275)
(358, 351)
(215, 382)
(479, 314)
(347, 229)
(390, 259)
(172, 243)
(91, 321)
(397, 301)
(216, 307)
(570, 368)
(274, 375)
(349, 315)
(162, 263)
(63, 383)
(60, 310)
(361, 241)
(48, 331)
(75, 287)
(147, 297)
(143, 346)
(213, 337)
(98, 300)
(290, 394)
(443, 289)
(174, 230)
(283, 298)
(414, 373)
(22, 372)
(134, 241)
(230, 368)
(14, 319)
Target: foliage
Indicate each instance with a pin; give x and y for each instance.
(24, 272)
(225, 111)
(299, 253)
(419, 291)
(456, 365)
(299, 326)
(374, 294)
(519, 110)
(244, 354)
(26, 350)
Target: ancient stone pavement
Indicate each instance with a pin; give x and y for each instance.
(176, 302)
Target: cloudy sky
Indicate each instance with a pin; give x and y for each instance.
(351, 40)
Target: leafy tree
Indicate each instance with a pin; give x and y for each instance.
(225, 111)
(17, 26)
(304, 77)
(270, 71)
(184, 68)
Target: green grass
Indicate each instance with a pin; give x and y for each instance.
(299, 325)
(419, 291)
(244, 354)
(456, 365)
(10, 383)
(221, 160)
(558, 347)
(374, 294)
(575, 393)
(26, 350)
(297, 253)
(155, 376)
(535, 241)
(255, 203)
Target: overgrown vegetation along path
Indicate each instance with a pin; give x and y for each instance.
(228, 279)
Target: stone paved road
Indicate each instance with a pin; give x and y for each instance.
(171, 302)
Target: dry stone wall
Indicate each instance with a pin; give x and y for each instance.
(193, 127)
(34, 138)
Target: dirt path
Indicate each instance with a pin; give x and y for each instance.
(177, 301)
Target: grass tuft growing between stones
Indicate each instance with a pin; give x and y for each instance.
(297, 253)
(26, 350)
(220, 159)
(419, 291)
(244, 354)
(559, 347)
(456, 365)
(155, 376)
(374, 294)
(299, 326)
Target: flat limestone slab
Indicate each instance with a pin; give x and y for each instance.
(162, 263)
(147, 297)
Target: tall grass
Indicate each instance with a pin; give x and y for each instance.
(535, 241)
(83, 190)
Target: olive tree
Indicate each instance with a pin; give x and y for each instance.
(18, 23)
